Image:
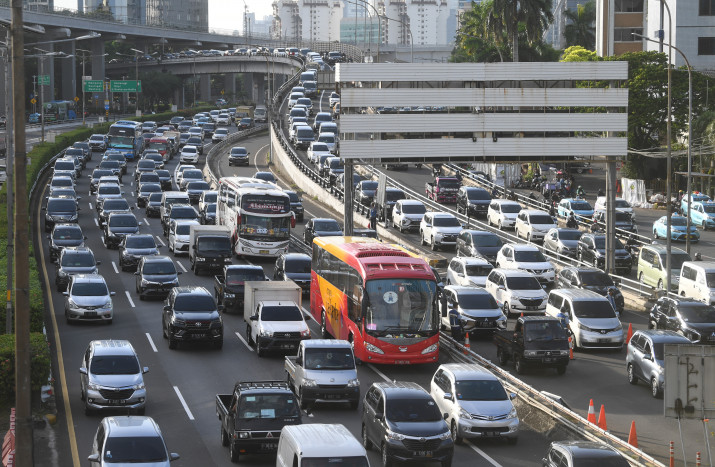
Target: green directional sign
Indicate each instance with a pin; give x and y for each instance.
(93, 85)
(125, 86)
(43, 80)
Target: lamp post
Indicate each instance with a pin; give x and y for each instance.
(688, 189)
(85, 54)
(379, 25)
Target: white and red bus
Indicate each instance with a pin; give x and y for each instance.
(377, 296)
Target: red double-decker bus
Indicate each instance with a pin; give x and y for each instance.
(377, 296)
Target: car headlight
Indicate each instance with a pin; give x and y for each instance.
(373, 348)
(464, 414)
(512, 413)
(266, 334)
(354, 383)
(430, 349)
(446, 435)
(199, 258)
(305, 333)
(530, 353)
(92, 386)
(584, 327)
(138, 386)
(309, 383)
(107, 305)
(389, 434)
(228, 295)
(71, 303)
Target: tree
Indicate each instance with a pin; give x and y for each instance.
(507, 16)
(157, 87)
(581, 29)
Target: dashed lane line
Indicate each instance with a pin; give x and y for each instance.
(183, 403)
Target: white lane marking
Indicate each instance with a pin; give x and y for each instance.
(183, 402)
(244, 341)
(114, 265)
(129, 297)
(160, 240)
(322, 93)
(255, 159)
(313, 215)
(96, 222)
(90, 205)
(309, 314)
(484, 455)
(380, 373)
(151, 342)
(181, 266)
(146, 221)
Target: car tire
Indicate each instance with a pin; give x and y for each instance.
(519, 364)
(224, 437)
(87, 409)
(654, 388)
(502, 357)
(499, 226)
(506, 310)
(172, 341)
(422, 238)
(233, 453)
(655, 234)
(218, 345)
(259, 351)
(660, 284)
(248, 335)
(560, 370)
(640, 278)
(631, 375)
(386, 461)
(528, 237)
(433, 244)
(455, 436)
(301, 400)
(366, 443)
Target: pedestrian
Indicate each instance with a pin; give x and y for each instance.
(612, 298)
(455, 326)
(373, 217)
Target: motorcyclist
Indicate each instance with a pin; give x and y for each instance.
(571, 222)
(532, 197)
(580, 193)
(600, 192)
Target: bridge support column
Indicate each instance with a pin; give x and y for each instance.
(229, 87)
(179, 96)
(247, 88)
(205, 87)
(46, 66)
(97, 49)
(260, 83)
(69, 72)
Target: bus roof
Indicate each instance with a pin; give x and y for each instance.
(252, 185)
(126, 123)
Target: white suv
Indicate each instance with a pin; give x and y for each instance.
(468, 271)
(516, 292)
(407, 214)
(189, 154)
(533, 224)
(527, 258)
(475, 402)
(502, 213)
(439, 229)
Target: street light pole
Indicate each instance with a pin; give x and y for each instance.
(669, 203)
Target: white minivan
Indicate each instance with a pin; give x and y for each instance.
(319, 444)
(697, 280)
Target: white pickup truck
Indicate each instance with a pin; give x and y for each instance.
(324, 371)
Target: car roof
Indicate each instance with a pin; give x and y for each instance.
(411, 201)
(297, 256)
(467, 290)
(133, 426)
(401, 388)
(534, 211)
(587, 449)
(314, 343)
(472, 259)
(76, 251)
(192, 290)
(324, 219)
(514, 272)
(157, 259)
(663, 249)
(468, 371)
(662, 336)
(88, 278)
(442, 214)
(317, 440)
(523, 247)
(112, 347)
(504, 201)
(580, 294)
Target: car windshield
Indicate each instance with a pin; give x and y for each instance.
(110, 164)
(198, 186)
(331, 140)
(210, 197)
(475, 195)
(155, 197)
(570, 234)
(334, 461)
(134, 449)
(328, 359)
(446, 221)
(394, 195)
(320, 147)
(489, 240)
(146, 164)
(624, 217)
(581, 206)
(614, 460)
(80, 260)
(449, 184)
(198, 302)
(400, 306)
(622, 204)
(709, 208)
(544, 330)
(194, 141)
(281, 313)
(183, 212)
(479, 390)
(97, 174)
(109, 190)
(61, 205)
(64, 165)
(697, 312)
(114, 365)
(596, 279)
(542, 219)
(67, 233)
(241, 276)
(239, 151)
(183, 229)
(414, 208)
(510, 208)
(89, 289)
(338, 164)
(149, 177)
(522, 283)
(326, 226)
(478, 269)
(221, 131)
(159, 268)
(189, 149)
(211, 208)
(529, 256)
(370, 186)
(150, 188)
(601, 243)
(679, 221)
(96, 138)
(62, 181)
(482, 301)
(140, 242)
(412, 410)
(214, 244)
(123, 221)
(298, 265)
(268, 406)
(593, 309)
(193, 174)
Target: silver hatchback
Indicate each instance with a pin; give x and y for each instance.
(645, 357)
(88, 299)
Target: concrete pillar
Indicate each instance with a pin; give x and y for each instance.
(229, 87)
(260, 88)
(97, 60)
(205, 87)
(69, 72)
(179, 95)
(46, 66)
(247, 88)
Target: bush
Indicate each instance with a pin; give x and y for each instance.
(39, 364)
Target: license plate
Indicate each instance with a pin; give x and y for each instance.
(548, 360)
(489, 434)
(531, 308)
(287, 346)
(485, 324)
(402, 362)
(199, 335)
(604, 341)
(332, 396)
(263, 252)
(117, 402)
(422, 453)
(269, 446)
(90, 314)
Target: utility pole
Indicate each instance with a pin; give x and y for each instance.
(23, 414)
(9, 170)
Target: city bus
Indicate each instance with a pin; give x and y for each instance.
(258, 214)
(125, 136)
(59, 110)
(377, 296)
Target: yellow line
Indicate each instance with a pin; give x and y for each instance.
(60, 359)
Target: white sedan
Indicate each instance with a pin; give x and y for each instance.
(468, 271)
(219, 135)
(189, 154)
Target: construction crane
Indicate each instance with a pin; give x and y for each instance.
(246, 26)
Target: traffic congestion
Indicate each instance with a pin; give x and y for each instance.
(243, 300)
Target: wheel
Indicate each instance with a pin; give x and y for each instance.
(655, 234)
(301, 401)
(499, 226)
(654, 388)
(447, 462)
(528, 237)
(422, 238)
(632, 378)
(163, 330)
(354, 405)
(506, 309)
(386, 461)
(172, 341)
(502, 357)
(433, 245)
(652, 324)
(366, 443)
(323, 327)
(259, 351)
(233, 453)
(595, 262)
(87, 409)
(248, 335)
(519, 364)
(660, 284)
(218, 345)
(455, 436)
(560, 370)
(224, 437)
(640, 278)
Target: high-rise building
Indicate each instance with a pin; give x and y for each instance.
(309, 20)
(38, 5)
(125, 11)
(430, 21)
(616, 20)
(181, 14)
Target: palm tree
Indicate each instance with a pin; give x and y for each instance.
(581, 29)
(506, 16)
(474, 38)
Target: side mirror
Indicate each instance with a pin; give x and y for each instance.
(173, 456)
(379, 417)
(501, 287)
(112, 294)
(85, 237)
(66, 294)
(298, 361)
(93, 458)
(145, 369)
(254, 318)
(445, 415)
(136, 273)
(179, 273)
(648, 357)
(49, 237)
(83, 371)
(221, 308)
(139, 224)
(167, 308)
(448, 396)
(44, 208)
(99, 263)
(512, 396)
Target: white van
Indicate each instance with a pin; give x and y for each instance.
(697, 280)
(323, 444)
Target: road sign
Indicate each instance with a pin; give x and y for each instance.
(76, 99)
(125, 86)
(93, 85)
(106, 106)
(43, 80)
(222, 92)
(33, 101)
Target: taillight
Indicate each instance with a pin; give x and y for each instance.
(238, 220)
(292, 220)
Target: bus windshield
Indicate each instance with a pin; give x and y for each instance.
(121, 142)
(400, 306)
(264, 228)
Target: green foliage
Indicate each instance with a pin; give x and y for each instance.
(581, 29)
(157, 86)
(39, 364)
(517, 20)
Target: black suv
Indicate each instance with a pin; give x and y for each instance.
(156, 276)
(592, 279)
(296, 205)
(191, 315)
(403, 421)
(108, 206)
(694, 319)
(65, 236)
(74, 261)
(473, 201)
(365, 192)
(133, 248)
(153, 205)
(118, 226)
(293, 267)
(60, 210)
(479, 243)
(321, 227)
(94, 178)
(145, 190)
(179, 211)
(592, 249)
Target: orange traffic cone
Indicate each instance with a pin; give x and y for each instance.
(571, 357)
(602, 419)
(467, 345)
(672, 454)
(591, 413)
(632, 435)
(522, 314)
(630, 333)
